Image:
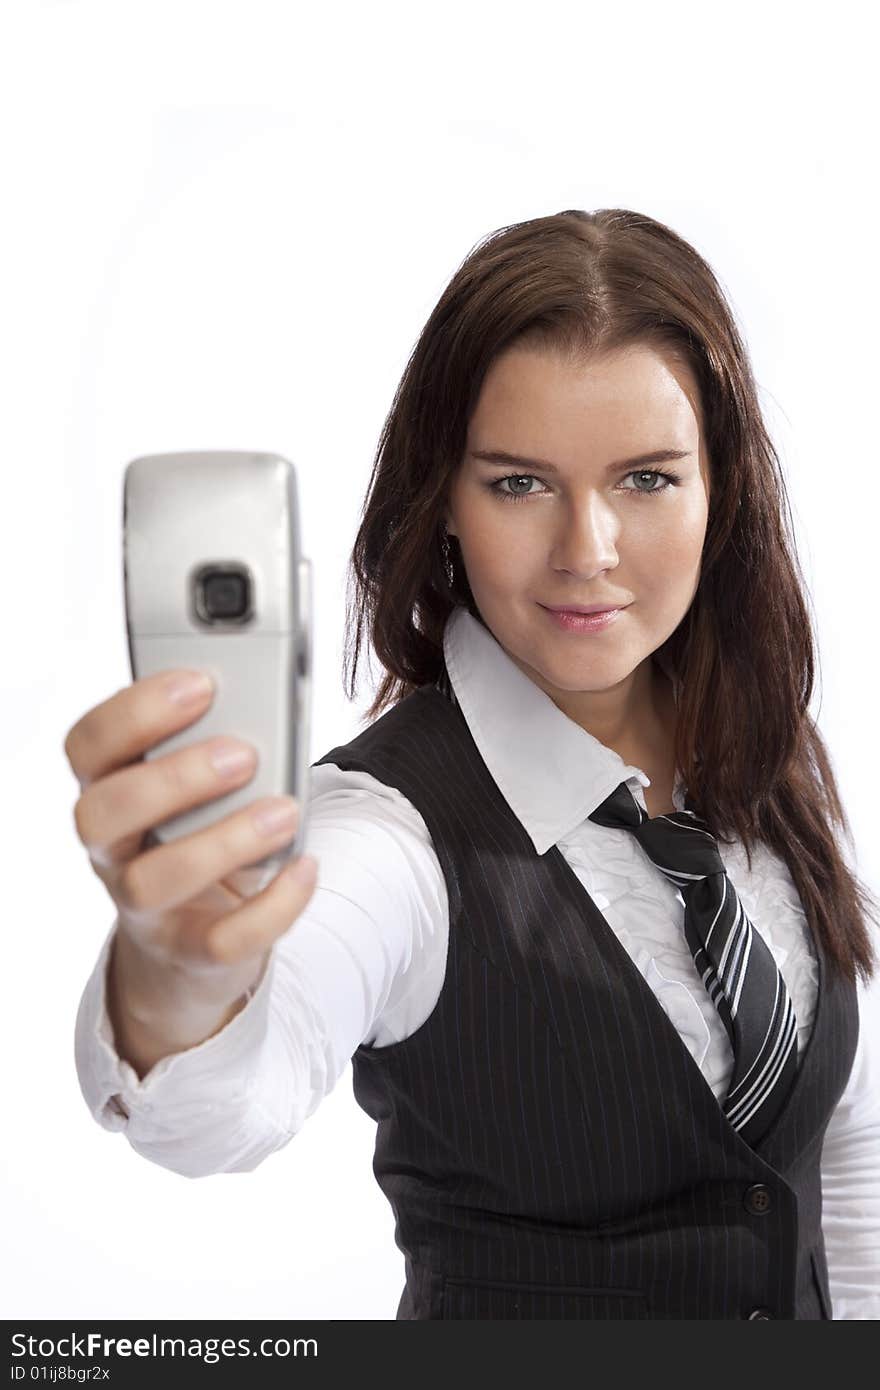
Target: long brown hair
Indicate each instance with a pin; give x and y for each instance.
(749, 751)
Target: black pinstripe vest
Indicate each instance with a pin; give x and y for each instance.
(548, 1144)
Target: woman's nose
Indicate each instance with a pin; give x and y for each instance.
(587, 539)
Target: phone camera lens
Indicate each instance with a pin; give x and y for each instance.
(223, 594)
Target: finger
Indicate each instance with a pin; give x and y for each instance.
(162, 878)
(120, 730)
(254, 927)
(113, 814)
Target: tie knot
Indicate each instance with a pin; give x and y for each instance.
(679, 843)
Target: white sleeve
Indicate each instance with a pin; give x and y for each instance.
(851, 1176)
(363, 963)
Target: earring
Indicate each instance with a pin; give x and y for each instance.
(446, 556)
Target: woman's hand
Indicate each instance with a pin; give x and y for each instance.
(189, 945)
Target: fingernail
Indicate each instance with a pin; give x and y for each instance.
(230, 758)
(190, 689)
(276, 816)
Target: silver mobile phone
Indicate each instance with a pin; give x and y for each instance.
(215, 580)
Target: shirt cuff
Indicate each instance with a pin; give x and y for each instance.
(119, 1099)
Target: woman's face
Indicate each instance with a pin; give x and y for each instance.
(580, 520)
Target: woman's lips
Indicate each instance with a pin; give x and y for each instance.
(582, 622)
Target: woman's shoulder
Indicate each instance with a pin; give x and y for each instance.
(348, 800)
(372, 845)
(354, 789)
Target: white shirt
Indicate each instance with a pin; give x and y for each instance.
(365, 961)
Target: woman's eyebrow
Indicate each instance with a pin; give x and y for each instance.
(518, 461)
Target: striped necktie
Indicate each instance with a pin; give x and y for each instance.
(732, 958)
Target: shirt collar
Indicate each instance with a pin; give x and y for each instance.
(551, 772)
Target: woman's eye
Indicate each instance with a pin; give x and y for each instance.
(652, 474)
(514, 478)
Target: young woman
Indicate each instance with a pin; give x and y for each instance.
(582, 923)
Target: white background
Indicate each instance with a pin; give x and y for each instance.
(225, 225)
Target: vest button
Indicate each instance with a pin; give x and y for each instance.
(759, 1313)
(758, 1199)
